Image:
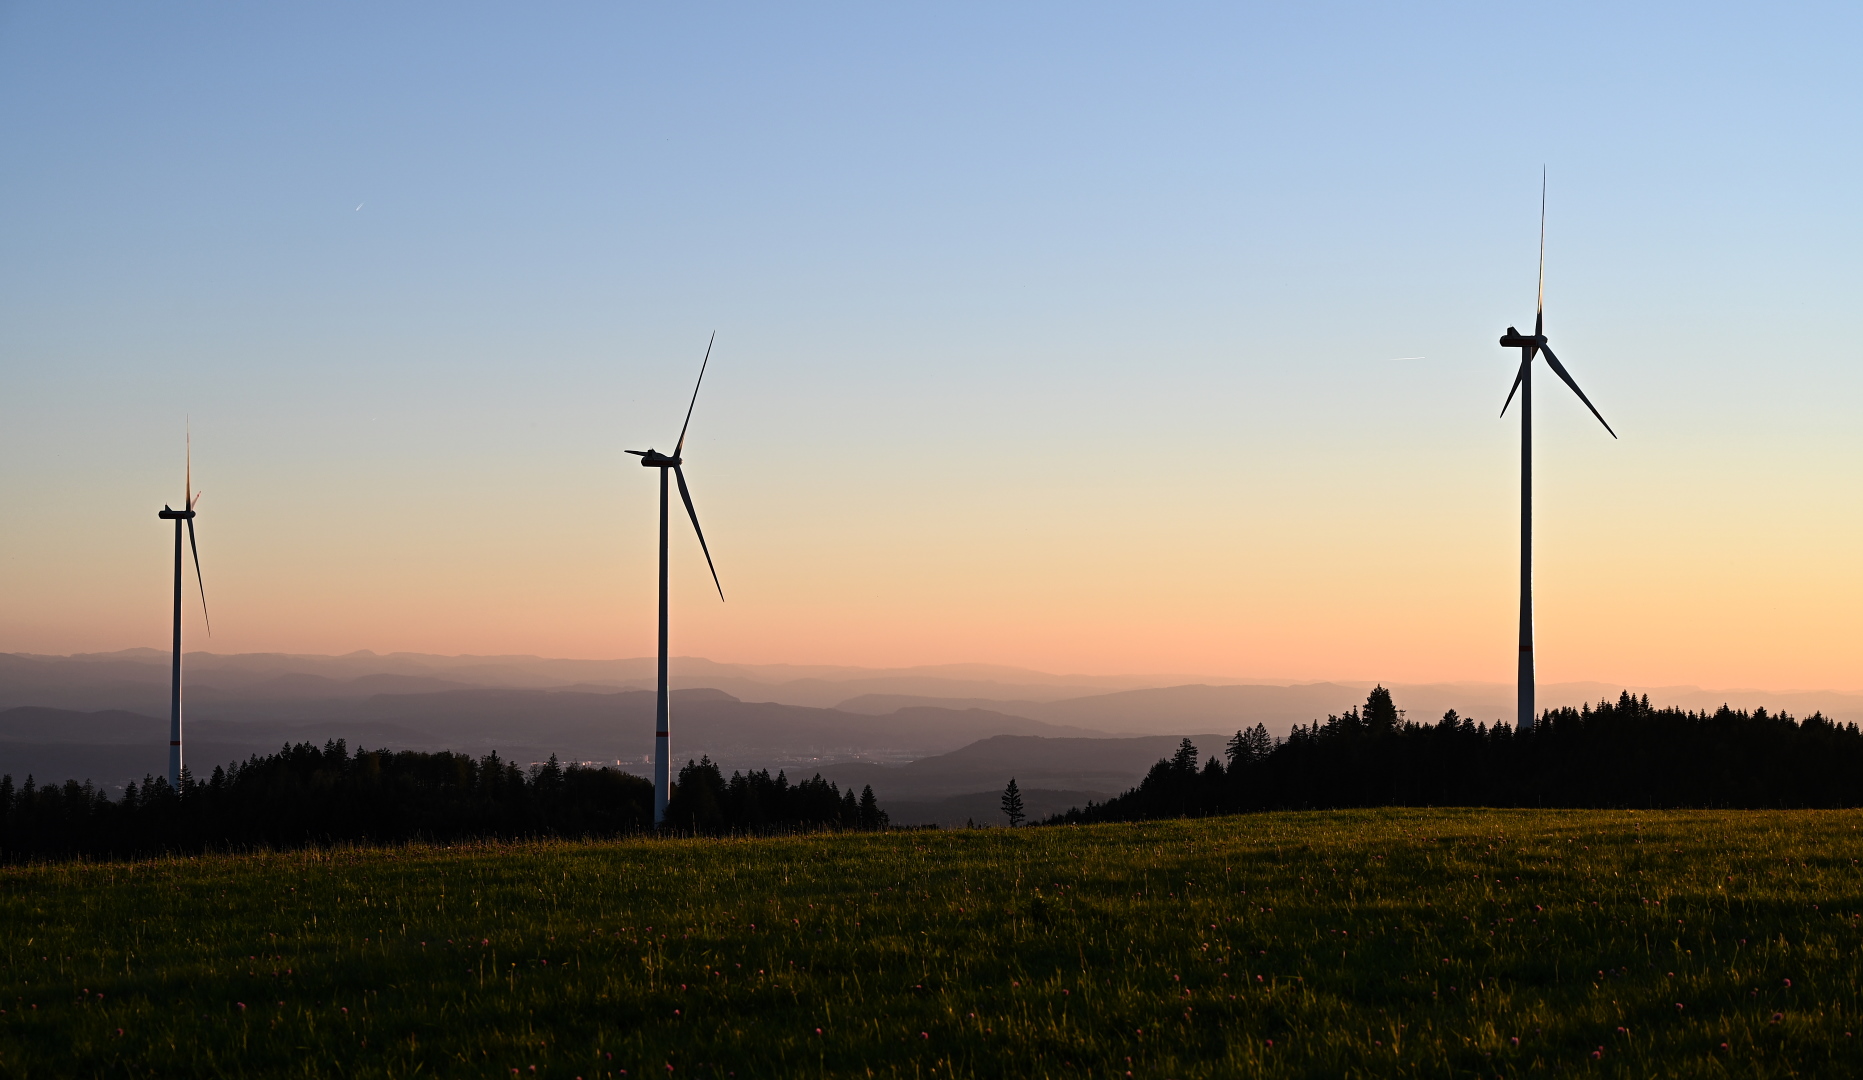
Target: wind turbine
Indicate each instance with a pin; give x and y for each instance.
(190, 497)
(1523, 384)
(653, 459)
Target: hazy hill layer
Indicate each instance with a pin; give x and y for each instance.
(524, 725)
(279, 687)
(1099, 766)
(928, 781)
(1053, 774)
(137, 679)
(1225, 708)
(744, 716)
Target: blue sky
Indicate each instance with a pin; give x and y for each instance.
(1042, 331)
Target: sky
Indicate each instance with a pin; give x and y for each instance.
(1095, 339)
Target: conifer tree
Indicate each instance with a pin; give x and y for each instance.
(1012, 803)
(1185, 760)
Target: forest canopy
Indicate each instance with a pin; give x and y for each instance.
(1613, 754)
(306, 795)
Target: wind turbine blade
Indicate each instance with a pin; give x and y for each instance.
(686, 497)
(197, 576)
(1559, 370)
(695, 400)
(1539, 316)
(187, 487)
(1518, 376)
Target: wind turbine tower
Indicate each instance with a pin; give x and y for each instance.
(189, 498)
(653, 459)
(1529, 346)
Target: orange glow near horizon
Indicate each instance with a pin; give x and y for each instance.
(1049, 580)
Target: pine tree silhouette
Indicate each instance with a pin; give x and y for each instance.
(871, 816)
(1012, 804)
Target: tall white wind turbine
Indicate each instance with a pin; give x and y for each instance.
(1529, 347)
(189, 499)
(653, 459)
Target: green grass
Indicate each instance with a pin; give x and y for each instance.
(1377, 943)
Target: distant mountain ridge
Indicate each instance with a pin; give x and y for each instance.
(1055, 769)
(778, 716)
(252, 684)
(1204, 707)
(611, 727)
(1099, 767)
(143, 671)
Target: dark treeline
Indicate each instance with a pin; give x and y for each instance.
(704, 802)
(304, 795)
(1621, 754)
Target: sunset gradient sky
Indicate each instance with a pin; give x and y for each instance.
(1052, 335)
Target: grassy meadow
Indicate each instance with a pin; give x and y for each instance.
(1366, 943)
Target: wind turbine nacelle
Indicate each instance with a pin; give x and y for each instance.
(173, 515)
(653, 459)
(1514, 339)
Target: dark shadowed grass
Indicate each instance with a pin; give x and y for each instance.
(1364, 943)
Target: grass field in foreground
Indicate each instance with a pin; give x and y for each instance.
(1366, 943)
